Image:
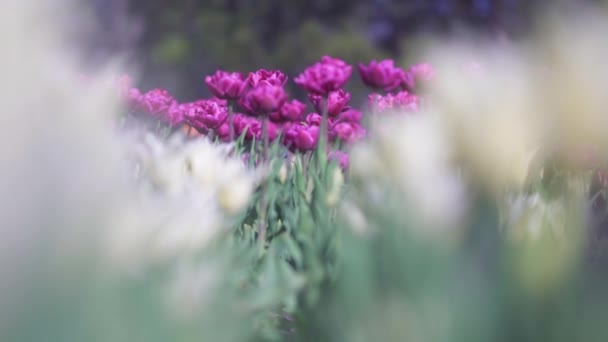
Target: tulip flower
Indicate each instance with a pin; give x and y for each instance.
(252, 126)
(263, 99)
(272, 77)
(292, 111)
(402, 101)
(207, 115)
(313, 119)
(336, 102)
(350, 115)
(226, 85)
(302, 137)
(325, 76)
(155, 102)
(347, 132)
(383, 75)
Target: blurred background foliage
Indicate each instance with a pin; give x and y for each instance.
(176, 43)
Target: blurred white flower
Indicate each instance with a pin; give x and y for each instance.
(354, 217)
(60, 159)
(572, 86)
(195, 187)
(283, 172)
(546, 238)
(65, 197)
(492, 118)
(544, 101)
(408, 156)
(198, 166)
(335, 190)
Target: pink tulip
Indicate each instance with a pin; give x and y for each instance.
(325, 76)
(402, 102)
(226, 85)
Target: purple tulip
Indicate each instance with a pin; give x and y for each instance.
(272, 77)
(313, 119)
(175, 114)
(289, 111)
(336, 102)
(302, 137)
(384, 74)
(327, 75)
(226, 85)
(347, 132)
(406, 102)
(274, 130)
(252, 126)
(263, 99)
(206, 115)
(133, 98)
(156, 102)
(223, 132)
(350, 115)
(292, 111)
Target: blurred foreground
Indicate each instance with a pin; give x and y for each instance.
(476, 215)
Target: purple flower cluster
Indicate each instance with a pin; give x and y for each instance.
(385, 76)
(261, 96)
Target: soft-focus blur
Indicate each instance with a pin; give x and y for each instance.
(476, 212)
(84, 252)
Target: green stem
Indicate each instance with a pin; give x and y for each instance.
(266, 142)
(323, 137)
(263, 199)
(230, 123)
(157, 130)
(305, 158)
